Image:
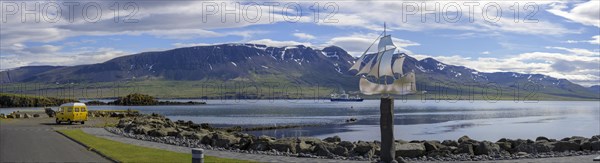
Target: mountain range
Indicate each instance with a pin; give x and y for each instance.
(299, 64)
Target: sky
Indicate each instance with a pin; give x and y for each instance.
(556, 38)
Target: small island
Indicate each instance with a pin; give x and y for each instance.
(137, 99)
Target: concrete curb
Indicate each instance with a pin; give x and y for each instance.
(89, 148)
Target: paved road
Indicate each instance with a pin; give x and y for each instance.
(32, 141)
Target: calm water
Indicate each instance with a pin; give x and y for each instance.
(414, 120)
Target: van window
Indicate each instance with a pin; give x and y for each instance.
(69, 109)
(83, 110)
(76, 109)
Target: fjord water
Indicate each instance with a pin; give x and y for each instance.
(414, 119)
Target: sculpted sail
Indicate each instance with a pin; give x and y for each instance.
(376, 70)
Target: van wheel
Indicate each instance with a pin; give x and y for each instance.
(57, 121)
(69, 121)
(82, 122)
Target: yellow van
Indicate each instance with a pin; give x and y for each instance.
(72, 112)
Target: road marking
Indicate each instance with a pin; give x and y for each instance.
(597, 158)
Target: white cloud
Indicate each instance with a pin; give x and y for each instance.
(586, 13)
(304, 36)
(372, 14)
(485, 52)
(56, 58)
(181, 45)
(577, 65)
(594, 40)
(181, 20)
(577, 51)
(275, 43)
(356, 44)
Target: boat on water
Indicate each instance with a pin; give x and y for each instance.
(344, 97)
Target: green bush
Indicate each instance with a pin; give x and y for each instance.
(17, 100)
(135, 99)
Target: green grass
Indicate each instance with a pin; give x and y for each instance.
(132, 153)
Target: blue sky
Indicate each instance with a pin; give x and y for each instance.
(561, 39)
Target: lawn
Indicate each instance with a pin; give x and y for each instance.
(132, 153)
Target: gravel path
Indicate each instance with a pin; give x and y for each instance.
(101, 132)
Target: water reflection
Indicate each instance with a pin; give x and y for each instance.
(413, 119)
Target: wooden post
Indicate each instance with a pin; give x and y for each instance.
(386, 123)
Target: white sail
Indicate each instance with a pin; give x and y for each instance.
(403, 86)
(367, 68)
(383, 67)
(398, 63)
(386, 43)
(363, 57)
(357, 64)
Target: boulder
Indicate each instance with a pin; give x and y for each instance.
(184, 134)
(505, 146)
(170, 131)
(410, 149)
(578, 139)
(2, 116)
(503, 140)
(400, 141)
(10, 116)
(465, 148)
(340, 151)
(36, 115)
(562, 146)
(595, 145)
(587, 145)
(244, 143)
(306, 144)
(466, 139)
(263, 143)
(27, 116)
(140, 129)
(516, 143)
(541, 138)
(433, 145)
(285, 145)
(157, 133)
(533, 147)
(334, 139)
(221, 139)
(487, 148)
(123, 123)
(442, 152)
(117, 114)
(365, 149)
(348, 145)
(195, 136)
(17, 115)
(49, 112)
(450, 143)
(322, 149)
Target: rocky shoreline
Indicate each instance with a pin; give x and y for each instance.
(157, 128)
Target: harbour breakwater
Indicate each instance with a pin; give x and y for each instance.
(158, 128)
